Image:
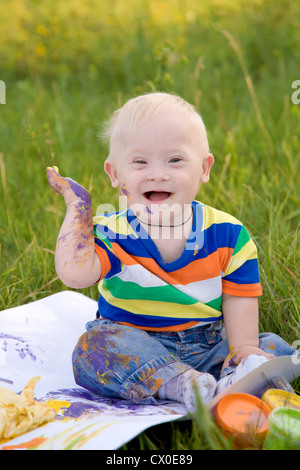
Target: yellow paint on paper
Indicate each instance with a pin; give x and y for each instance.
(57, 405)
(75, 437)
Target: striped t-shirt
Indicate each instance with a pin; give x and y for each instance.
(138, 288)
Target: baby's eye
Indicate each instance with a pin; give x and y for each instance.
(175, 159)
(140, 161)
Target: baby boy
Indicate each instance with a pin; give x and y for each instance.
(178, 280)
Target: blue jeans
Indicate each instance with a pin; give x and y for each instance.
(119, 361)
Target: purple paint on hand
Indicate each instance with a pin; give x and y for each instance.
(80, 191)
(231, 362)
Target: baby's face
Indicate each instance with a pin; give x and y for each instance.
(161, 166)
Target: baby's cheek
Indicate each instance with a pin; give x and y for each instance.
(124, 189)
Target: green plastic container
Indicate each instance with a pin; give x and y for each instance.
(284, 430)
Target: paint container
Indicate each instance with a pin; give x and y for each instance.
(243, 417)
(284, 430)
(275, 398)
(281, 383)
(278, 382)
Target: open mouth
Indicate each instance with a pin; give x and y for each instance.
(157, 196)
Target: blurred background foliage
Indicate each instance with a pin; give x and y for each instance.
(67, 65)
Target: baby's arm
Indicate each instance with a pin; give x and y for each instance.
(241, 325)
(76, 261)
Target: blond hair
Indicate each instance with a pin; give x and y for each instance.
(137, 111)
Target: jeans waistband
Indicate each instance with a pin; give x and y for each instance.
(197, 329)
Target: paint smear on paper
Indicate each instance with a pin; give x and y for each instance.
(21, 346)
(74, 438)
(57, 405)
(29, 445)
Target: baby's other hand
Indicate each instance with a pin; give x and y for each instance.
(66, 187)
(236, 355)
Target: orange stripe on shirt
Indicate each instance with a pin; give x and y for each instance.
(183, 326)
(104, 261)
(204, 268)
(242, 290)
(197, 270)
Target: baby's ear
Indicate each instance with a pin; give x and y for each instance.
(207, 163)
(111, 171)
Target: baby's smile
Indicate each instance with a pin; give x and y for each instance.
(157, 196)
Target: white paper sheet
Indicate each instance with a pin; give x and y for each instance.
(37, 339)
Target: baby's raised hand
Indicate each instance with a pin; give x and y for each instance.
(68, 188)
(76, 261)
(57, 182)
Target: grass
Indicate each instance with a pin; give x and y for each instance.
(66, 66)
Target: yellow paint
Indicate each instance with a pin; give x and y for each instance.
(55, 168)
(124, 189)
(101, 377)
(275, 398)
(81, 438)
(57, 405)
(74, 437)
(231, 353)
(150, 380)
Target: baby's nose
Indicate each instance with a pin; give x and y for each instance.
(158, 174)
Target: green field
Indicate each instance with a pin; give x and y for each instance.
(67, 65)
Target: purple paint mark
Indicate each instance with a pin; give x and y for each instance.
(80, 192)
(124, 189)
(21, 346)
(91, 402)
(148, 210)
(83, 206)
(77, 409)
(84, 236)
(76, 393)
(231, 362)
(7, 381)
(16, 338)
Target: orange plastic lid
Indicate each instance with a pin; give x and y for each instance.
(242, 414)
(275, 398)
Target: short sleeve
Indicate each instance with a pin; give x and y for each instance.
(241, 277)
(110, 264)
